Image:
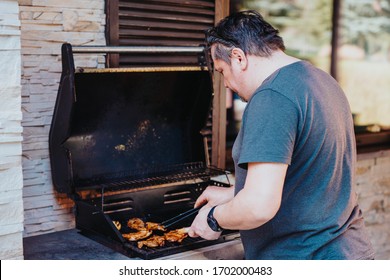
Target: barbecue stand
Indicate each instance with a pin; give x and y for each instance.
(127, 142)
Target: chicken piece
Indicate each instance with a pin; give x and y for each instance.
(154, 226)
(135, 236)
(117, 225)
(136, 223)
(176, 235)
(152, 242)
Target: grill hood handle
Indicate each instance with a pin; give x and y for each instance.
(136, 49)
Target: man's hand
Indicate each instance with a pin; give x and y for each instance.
(213, 195)
(200, 226)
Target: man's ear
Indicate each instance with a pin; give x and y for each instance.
(238, 56)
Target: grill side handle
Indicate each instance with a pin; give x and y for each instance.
(60, 157)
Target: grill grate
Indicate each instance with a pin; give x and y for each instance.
(196, 171)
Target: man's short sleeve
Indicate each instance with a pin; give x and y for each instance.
(270, 125)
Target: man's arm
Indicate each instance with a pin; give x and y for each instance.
(253, 206)
(259, 200)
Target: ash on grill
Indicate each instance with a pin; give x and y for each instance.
(126, 143)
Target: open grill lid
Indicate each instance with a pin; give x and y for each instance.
(125, 124)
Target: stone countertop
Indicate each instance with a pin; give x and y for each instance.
(67, 245)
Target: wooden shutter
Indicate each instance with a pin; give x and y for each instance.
(158, 23)
(170, 23)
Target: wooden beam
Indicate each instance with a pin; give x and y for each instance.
(218, 157)
(221, 9)
(112, 31)
(335, 37)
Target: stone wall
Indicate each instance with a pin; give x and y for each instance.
(11, 181)
(45, 26)
(373, 187)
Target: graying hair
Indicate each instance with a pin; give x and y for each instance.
(246, 30)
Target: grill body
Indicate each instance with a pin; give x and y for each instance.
(126, 143)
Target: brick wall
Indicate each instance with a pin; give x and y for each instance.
(11, 182)
(373, 188)
(45, 25)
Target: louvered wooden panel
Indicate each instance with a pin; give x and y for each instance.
(159, 23)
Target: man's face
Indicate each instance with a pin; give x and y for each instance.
(230, 72)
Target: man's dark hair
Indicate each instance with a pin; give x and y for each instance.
(246, 30)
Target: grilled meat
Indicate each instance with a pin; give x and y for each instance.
(154, 226)
(145, 230)
(176, 235)
(117, 225)
(152, 242)
(136, 223)
(135, 236)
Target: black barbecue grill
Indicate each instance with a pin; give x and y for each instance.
(126, 142)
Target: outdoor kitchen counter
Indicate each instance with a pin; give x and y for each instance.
(71, 245)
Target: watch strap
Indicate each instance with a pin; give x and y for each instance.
(212, 222)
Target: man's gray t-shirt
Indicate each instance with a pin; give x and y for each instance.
(301, 117)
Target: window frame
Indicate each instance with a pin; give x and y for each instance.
(366, 142)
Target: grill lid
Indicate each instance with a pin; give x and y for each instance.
(109, 122)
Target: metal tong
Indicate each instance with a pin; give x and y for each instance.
(174, 220)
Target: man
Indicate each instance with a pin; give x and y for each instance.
(294, 156)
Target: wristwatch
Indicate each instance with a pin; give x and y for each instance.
(212, 222)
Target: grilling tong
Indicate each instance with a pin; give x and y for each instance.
(176, 219)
